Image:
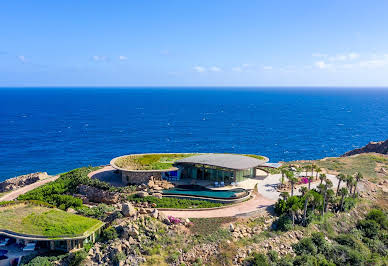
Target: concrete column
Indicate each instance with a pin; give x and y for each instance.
(68, 245)
(52, 245)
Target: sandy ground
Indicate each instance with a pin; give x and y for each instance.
(14, 194)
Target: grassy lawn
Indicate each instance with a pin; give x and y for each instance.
(37, 220)
(149, 161)
(176, 203)
(364, 163)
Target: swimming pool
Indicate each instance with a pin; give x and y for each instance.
(200, 191)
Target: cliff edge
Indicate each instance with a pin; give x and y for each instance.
(377, 147)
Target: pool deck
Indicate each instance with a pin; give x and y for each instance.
(251, 207)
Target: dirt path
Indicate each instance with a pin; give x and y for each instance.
(14, 194)
(257, 204)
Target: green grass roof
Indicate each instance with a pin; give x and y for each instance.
(43, 221)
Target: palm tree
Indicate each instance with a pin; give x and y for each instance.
(317, 171)
(292, 180)
(283, 171)
(341, 177)
(358, 178)
(328, 184)
(349, 182)
(322, 177)
(313, 166)
(303, 190)
(307, 198)
(307, 168)
(284, 195)
(294, 207)
(343, 193)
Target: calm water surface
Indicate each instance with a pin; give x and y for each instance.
(56, 130)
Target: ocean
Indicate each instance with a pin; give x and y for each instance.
(59, 129)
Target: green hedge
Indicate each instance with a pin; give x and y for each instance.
(175, 202)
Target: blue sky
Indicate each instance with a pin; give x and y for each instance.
(194, 43)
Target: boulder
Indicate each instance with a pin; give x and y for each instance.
(231, 228)
(142, 194)
(155, 213)
(162, 217)
(98, 195)
(128, 210)
(157, 195)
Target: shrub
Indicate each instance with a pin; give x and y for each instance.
(343, 255)
(258, 260)
(305, 246)
(280, 207)
(100, 212)
(109, 233)
(379, 217)
(283, 223)
(369, 228)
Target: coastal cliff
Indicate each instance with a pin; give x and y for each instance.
(377, 147)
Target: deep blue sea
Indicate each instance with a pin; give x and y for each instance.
(58, 129)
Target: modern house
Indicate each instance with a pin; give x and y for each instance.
(225, 168)
(214, 167)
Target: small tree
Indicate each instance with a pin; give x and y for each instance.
(343, 193)
(303, 190)
(307, 198)
(292, 180)
(358, 177)
(317, 171)
(340, 177)
(322, 177)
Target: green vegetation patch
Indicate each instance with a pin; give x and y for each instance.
(167, 202)
(58, 192)
(150, 161)
(38, 220)
(259, 157)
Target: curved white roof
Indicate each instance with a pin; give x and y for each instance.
(230, 161)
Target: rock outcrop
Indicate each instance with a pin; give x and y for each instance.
(21, 181)
(377, 147)
(98, 195)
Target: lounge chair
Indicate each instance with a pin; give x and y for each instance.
(30, 247)
(4, 242)
(215, 184)
(222, 184)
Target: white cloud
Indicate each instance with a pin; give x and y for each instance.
(215, 69)
(123, 57)
(321, 65)
(353, 56)
(22, 58)
(199, 69)
(98, 58)
(243, 68)
(165, 52)
(267, 67)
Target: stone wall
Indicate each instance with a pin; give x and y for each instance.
(139, 177)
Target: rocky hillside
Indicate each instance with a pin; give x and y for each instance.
(21, 181)
(377, 147)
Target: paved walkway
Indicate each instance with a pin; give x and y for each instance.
(255, 205)
(14, 194)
